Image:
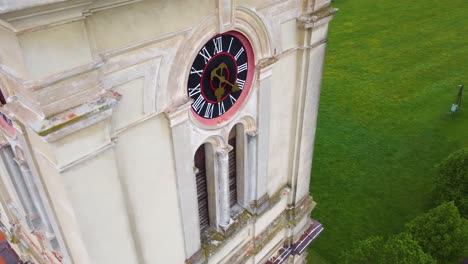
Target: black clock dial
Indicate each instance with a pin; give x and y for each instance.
(218, 76)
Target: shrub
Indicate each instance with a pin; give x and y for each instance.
(441, 232)
(401, 249)
(452, 182)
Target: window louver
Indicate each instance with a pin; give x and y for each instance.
(202, 190)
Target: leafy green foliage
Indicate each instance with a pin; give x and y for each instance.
(441, 232)
(401, 249)
(364, 251)
(452, 182)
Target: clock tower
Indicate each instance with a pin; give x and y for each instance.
(148, 132)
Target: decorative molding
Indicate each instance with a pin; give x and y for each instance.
(295, 213)
(107, 55)
(264, 63)
(213, 241)
(260, 204)
(89, 156)
(60, 77)
(225, 14)
(58, 126)
(178, 114)
(311, 20)
(42, 14)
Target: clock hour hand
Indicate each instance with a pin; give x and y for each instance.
(219, 92)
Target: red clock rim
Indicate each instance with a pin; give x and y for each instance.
(248, 82)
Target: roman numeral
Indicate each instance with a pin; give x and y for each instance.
(240, 83)
(209, 110)
(194, 91)
(206, 55)
(233, 99)
(196, 71)
(218, 45)
(242, 68)
(230, 43)
(239, 53)
(198, 104)
(221, 109)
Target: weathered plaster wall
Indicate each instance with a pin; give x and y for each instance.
(10, 51)
(48, 51)
(64, 210)
(283, 96)
(96, 194)
(145, 162)
(119, 27)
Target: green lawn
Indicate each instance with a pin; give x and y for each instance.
(391, 74)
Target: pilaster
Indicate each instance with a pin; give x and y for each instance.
(265, 71)
(178, 121)
(314, 28)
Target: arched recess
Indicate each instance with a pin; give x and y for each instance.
(244, 155)
(255, 27)
(246, 21)
(205, 171)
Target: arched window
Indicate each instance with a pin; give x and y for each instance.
(202, 187)
(232, 168)
(2, 98)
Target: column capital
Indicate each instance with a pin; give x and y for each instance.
(252, 133)
(223, 152)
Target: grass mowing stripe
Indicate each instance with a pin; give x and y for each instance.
(391, 74)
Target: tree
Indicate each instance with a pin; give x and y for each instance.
(364, 251)
(400, 249)
(452, 182)
(441, 232)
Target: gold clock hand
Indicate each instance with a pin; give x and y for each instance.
(219, 92)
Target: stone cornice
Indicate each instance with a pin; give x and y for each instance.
(307, 21)
(24, 16)
(264, 63)
(178, 114)
(74, 119)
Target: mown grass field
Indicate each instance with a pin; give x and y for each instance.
(391, 73)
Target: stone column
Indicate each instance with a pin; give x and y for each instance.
(251, 159)
(222, 169)
(20, 185)
(36, 199)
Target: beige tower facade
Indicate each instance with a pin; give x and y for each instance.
(144, 132)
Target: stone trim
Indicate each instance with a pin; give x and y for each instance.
(261, 240)
(264, 63)
(72, 164)
(260, 204)
(196, 258)
(65, 123)
(245, 218)
(212, 241)
(295, 213)
(56, 12)
(178, 114)
(313, 19)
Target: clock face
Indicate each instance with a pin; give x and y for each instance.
(220, 77)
